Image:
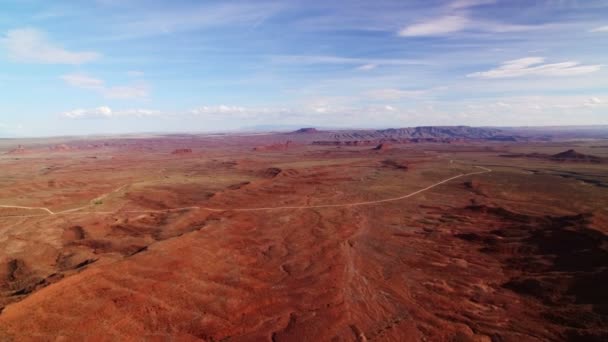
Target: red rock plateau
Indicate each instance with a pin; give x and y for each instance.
(117, 239)
(307, 130)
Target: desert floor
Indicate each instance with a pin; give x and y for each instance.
(124, 239)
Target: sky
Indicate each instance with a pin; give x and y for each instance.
(127, 66)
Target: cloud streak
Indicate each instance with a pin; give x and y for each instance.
(533, 66)
(29, 45)
(600, 29)
(105, 112)
(363, 63)
(188, 18)
(391, 94)
(459, 4)
(436, 27)
(83, 81)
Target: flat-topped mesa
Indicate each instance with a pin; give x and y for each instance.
(182, 151)
(566, 156)
(307, 130)
(572, 155)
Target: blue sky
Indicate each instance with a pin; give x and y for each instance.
(118, 66)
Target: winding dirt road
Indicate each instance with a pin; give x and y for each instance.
(340, 205)
(28, 208)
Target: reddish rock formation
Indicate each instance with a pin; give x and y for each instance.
(572, 155)
(307, 130)
(19, 150)
(382, 147)
(566, 156)
(182, 151)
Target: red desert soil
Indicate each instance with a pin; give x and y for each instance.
(60, 147)
(382, 147)
(19, 150)
(138, 244)
(273, 147)
(182, 151)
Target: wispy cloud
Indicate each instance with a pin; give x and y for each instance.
(523, 110)
(367, 67)
(83, 81)
(459, 4)
(177, 19)
(394, 94)
(365, 63)
(450, 24)
(436, 26)
(594, 101)
(533, 66)
(29, 45)
(238, 112)
(600, 29)
(107, 112)
(458, 17)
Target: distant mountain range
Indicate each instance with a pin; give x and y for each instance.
(400, 135)
(445, 134)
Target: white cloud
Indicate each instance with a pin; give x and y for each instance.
(197, 16)
(99, 112)
(221, 109)
(225, 111)
(532, 104)
(594, 102)
(525, 110)
(394, 94)
(436, 27)
(533, 66)
(458, 4)
(600, 29)
(30, 45)
(107, 112)
(367, 67)
(458, 19)
(84, 81)
(457, 23)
